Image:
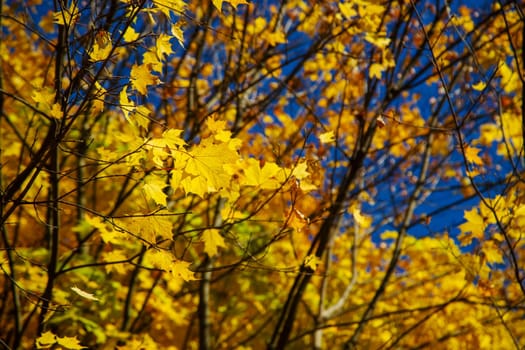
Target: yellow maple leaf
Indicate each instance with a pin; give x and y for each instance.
(155, 226)
(45, 99)
(44, 96)
(378, 40)
(177, 32)
(475, 224)
(67, 16)
(173, 139)
(375, 70)
(99, 53)
(46, 340)
(111, 258)
(166, 261)
(160, 259)
(492, 252)
(489, 133)
(163, 46)
(101, 47)
(215, 125)
(126, 105)
(234, 3)
(106, 231)
(207, 160)
(347, 9)
(471, 153)
(274, 38)
(56, 111)
(182, 269)
(141, 77)
(151, 59)
(170, 6)
(327, 137)
(153, 189)
(311, 262)
(130, 35)
(218, 129)
(300, 171)
(268, 176)
(141, 116)
(212, 241)
(71, 343)
(196, 185)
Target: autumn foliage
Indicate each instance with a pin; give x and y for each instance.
(266, 175)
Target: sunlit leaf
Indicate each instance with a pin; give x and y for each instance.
(492, 253)
(475, 224)
(479, 86)
(327, 137)
(347, 9)
(102, 46)
(154, 190)
(375, 71)
(67, 17)
(163, 46)
(471, 153)
(84, 294)
(141, 77)
(130, 35)
(178, 33)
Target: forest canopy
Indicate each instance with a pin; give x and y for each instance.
(280, 174)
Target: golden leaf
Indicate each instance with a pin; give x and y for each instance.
(67, 16)
(347, 9)
(71, 343)
(471, 153)
(182, 269)
(375, 70)
(311, 262)
(101, 47)
(130, 35)
(163, 46)
(141, 77)
(327, 137)
(492, 252)
(479, 86)
(46, 340)
(177, 32)
(153, 189)
(212, 241)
